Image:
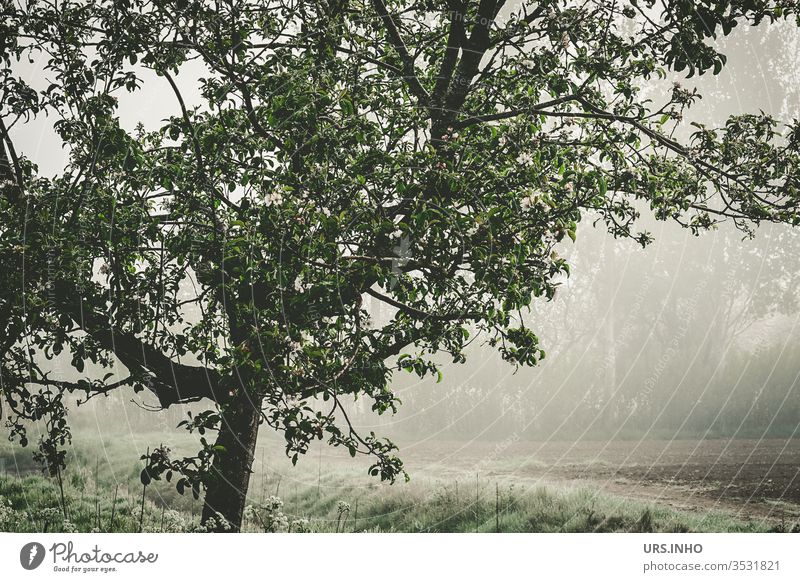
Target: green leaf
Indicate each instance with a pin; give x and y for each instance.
(601, 181)
(347, 106)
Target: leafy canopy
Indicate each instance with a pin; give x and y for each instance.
(321, 159)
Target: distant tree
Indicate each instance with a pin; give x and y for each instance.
(426, 155)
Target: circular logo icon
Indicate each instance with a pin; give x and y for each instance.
(31, 555)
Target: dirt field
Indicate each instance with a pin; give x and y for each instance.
(749, 478)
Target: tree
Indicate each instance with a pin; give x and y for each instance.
(428, 156)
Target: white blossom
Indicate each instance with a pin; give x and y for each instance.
(525, 158)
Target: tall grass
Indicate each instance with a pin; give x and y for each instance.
(421, 507)
(102, 492)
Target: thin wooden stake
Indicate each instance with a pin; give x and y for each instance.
(113, 508)
(477, 499)
(61, 489)
(263, 475)
(497, 507)
(97, 489)
(141, 512)
(319, 469)
(144, 490)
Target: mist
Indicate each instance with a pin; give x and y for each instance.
(692, 336)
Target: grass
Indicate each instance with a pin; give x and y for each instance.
(103, 493)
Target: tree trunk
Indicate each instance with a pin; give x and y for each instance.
(227, 493)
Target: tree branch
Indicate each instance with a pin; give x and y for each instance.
(172, 382)
(472, 52)
(419, 314)
(396, 39)
(455, 40)
(538, 108)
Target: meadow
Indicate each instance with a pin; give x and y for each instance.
(494, 490)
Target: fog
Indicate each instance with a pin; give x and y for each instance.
(690, 337)
(694, 336)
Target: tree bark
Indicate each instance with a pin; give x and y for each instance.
(227, 493)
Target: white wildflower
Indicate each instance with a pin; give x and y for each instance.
(9, 517)
(273, 503)
(250, 512)
(300, 526)
(217, 522)
(44, 518)
(172, 522)
(269, 515)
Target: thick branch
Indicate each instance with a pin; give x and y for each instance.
(409, 70)
(170, 381)
(14, 168)
(472, 53)
(455, 40)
